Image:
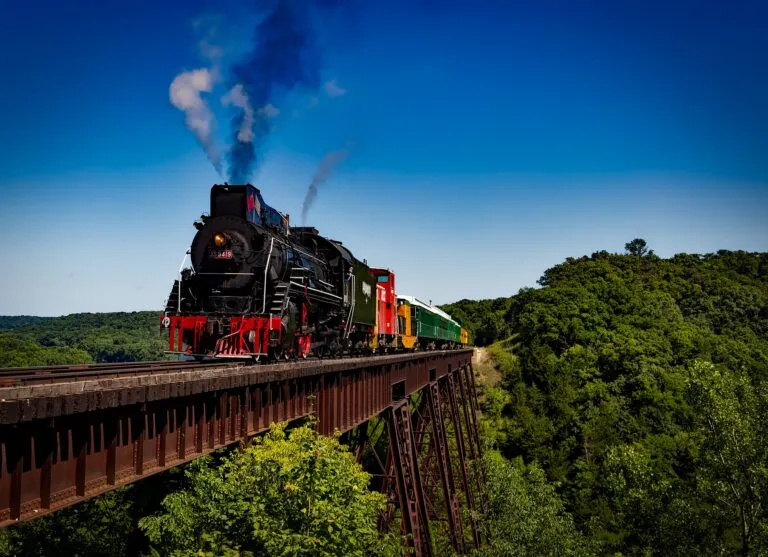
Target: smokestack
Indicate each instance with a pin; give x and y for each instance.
(327, 164)
(284, 57)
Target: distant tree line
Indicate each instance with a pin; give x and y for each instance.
(81, 338)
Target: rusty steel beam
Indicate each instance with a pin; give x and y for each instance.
(402, 446)
(389, 488)
(440, 403)
(63, 442)
(462, 457)
(440, 443)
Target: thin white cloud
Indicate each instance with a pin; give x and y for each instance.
(332, 89)
(269, 111)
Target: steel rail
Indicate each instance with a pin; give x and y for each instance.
(16, 376)
(24, 375)
(103, 365)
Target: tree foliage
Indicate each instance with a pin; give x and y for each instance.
(526, 516)
(733, 472)
(638, 385)
(484, 319)
(8, 322)
(81, 338)
(637, 247)
(16, 351)
(286, 494)
(97, 527)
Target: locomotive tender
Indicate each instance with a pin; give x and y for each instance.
(258, 287)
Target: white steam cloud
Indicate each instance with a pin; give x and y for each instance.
(185, 94)
(332, 89)
(209, 25)
(237, 97)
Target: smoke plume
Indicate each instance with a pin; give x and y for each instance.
(327, 164)
(238, 98)
(185, 94)
(284, 57)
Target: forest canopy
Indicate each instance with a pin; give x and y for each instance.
(81, 338)
(640, 386)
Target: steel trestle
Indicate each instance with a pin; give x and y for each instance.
(412, 421)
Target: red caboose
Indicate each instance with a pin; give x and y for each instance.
(386, 308)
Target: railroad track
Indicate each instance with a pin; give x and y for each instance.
(20, 376)
(14, 376)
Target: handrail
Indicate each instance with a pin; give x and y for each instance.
(181, 268)
(322, 292)
(297, 249)
(266, 270)
(348, 327)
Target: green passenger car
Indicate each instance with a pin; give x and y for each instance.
(431, 325)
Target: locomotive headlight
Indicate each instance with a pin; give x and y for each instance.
(219, 239)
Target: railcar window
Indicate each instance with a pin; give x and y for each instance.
(230, 204)
(383, 278)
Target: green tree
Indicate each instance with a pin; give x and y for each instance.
(101, 337)
(288, 495)
(5, 542)
(526, 516)
(733, 473)
(637, 247)
(93, 528)
(16, 351)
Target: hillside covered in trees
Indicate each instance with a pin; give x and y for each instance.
(80, 338)
(640, 386)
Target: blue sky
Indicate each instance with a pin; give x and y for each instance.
(492, 140)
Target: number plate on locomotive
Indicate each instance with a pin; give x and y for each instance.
(220, 254)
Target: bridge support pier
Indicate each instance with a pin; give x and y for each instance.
(432, 445)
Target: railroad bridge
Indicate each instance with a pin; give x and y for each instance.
(67, 434)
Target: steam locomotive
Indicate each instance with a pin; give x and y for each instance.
(259, 288)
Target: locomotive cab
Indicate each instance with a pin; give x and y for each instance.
(245, 202)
